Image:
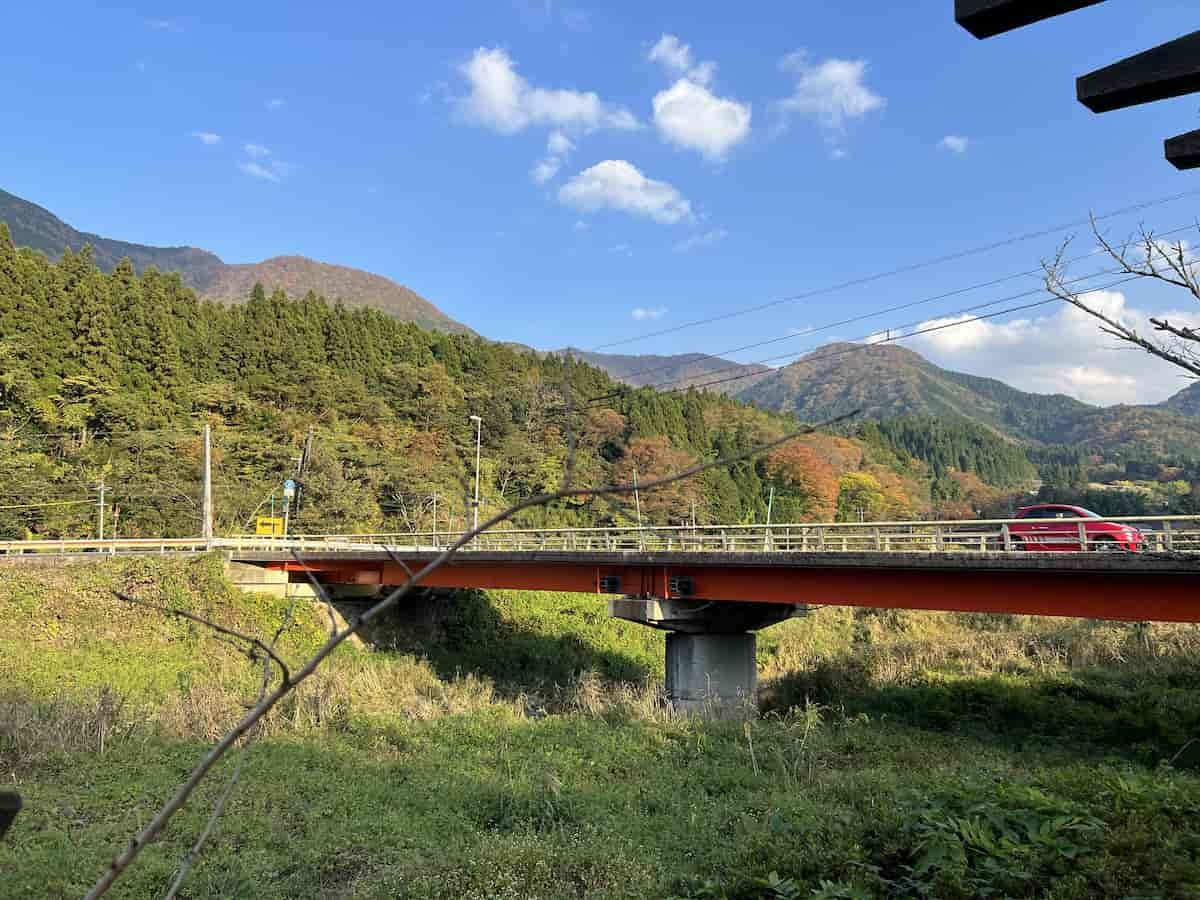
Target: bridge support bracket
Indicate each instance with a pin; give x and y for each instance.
(710, 665)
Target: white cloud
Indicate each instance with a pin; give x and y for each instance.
(833, 93)
(955, 143)
(258, 171)
(558, 147)
(699, 241)
(262, 164)
(545, 169)
(1060, 352)
(689, 115)
(618, 185)
(504, 101)
(275, 103)
(580, 225)
(558, 144)
(164, 25)
(676, 58)
(645, 314)
(207, 138)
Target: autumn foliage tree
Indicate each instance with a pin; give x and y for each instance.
(806, 485)
(654, 457)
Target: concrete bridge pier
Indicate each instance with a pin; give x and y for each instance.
(711, 667)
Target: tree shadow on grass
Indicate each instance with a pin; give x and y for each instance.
(462, 631)
(1147, 717)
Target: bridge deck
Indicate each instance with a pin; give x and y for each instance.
(1141, 587)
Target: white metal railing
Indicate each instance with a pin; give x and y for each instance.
(65, 547)
(1154, 533)
(1179, 534)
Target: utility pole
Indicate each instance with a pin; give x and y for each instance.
(770, 506)
(302, 467)
(637, 499)
(435, 518)
(478, 440)
(206, 507)
(101, 505)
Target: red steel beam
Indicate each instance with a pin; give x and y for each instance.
(1097, 595)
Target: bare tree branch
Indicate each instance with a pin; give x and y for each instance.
(288, 684)
(321, 592)
(1178, 271)
(220, 629)
(193, 853)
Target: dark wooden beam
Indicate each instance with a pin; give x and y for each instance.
(987, 18)
(1183, 150)
(1169, 70)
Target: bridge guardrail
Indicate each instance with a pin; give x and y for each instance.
(1179, 534)
(1176, 534)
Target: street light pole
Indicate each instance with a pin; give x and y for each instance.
(478, 440)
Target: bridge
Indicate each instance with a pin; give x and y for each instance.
(712, 587)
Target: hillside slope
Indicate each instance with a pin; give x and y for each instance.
(676, 371)
(298, 275)
(1186, 402)
(888, 381)
(39, 229)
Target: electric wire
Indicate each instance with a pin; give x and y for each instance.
(958, 312)
(899, 270)
(719, 354)
(859, 347)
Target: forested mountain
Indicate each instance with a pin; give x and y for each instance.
(110, 376)
(890, 381)
(298, 275)
(36, 228)
(678, 371)
(1186, 402)
(887, 381)
(39, 229)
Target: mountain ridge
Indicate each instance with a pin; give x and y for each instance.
(675, 371)
(35, 227)
(886, 381)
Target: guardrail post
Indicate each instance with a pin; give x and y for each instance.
(1006, 537)
(876, 535)
(1083, 540)
(1168, 537)
(939, 539)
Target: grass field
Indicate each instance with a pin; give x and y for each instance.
(516, 745)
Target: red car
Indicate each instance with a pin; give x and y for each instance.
(1055, 527)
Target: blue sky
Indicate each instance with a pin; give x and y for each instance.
(557, 173)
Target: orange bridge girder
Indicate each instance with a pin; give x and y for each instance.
(1128, 587)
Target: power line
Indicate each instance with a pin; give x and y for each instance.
(900, 270)
(719, 354)
(859, 347)
(958, 312)
(88, 501)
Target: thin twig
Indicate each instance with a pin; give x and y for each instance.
(220, 629)
(219, 807)
(248, 721)
(397, 560)
(321, 592)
